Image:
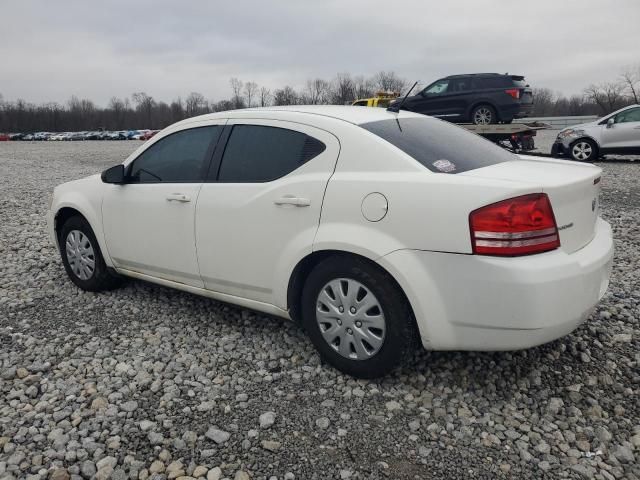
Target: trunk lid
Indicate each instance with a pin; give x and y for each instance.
(573, 189)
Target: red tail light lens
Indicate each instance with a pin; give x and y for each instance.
(517, 226)
(514, 92)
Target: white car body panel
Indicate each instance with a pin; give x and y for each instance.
(221, 244)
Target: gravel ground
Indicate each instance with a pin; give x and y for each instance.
(147, 382)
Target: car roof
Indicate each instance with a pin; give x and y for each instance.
(348, 113)
(463, 75)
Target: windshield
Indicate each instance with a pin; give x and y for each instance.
(438, 145)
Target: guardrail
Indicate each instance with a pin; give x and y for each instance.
(560, 122)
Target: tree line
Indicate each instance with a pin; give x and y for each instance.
(143, 111)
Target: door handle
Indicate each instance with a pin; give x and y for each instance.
(178, 197)
(291, 200)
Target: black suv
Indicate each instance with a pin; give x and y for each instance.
(480, 98)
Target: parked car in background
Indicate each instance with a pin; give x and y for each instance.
(4, 137)
(478, 98)
(28, 137)
(617, 133)
(376, 230)
(138, 135)
(16, 136)
(149, 134)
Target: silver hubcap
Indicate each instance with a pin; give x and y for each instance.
(483, 116)
(80, 255)
(350, 319)
(582, 151)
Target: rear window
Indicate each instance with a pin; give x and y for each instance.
(438, 145)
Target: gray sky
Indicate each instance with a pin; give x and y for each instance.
(52, 50)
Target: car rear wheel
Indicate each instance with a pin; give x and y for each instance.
(584, 150)
(484, 115)
(357, 318)
(82, 258)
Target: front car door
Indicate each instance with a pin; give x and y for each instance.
(435, 100)
(259, 212)
(623, 135)
(149, 221)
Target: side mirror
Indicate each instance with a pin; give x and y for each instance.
(610, 122)
(114, 175)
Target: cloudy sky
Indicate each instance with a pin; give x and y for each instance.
(98, 49)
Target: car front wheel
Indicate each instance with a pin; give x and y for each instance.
(82, 258)
(584, 150)
(357, 317)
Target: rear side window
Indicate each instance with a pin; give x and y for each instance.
(438, 145)
(179, 157)
(493, 82)
(256, 154)
(460, 85)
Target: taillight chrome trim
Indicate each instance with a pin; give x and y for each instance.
(509, 235)
(516, 243)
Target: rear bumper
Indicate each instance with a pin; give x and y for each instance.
(472, 302)
(515, 110)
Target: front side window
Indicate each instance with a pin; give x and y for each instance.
(360, 103)
(437, 88)
(631, 115)
(438, 145)
(179, 157)
(257, 154)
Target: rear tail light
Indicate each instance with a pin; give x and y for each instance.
(514, 92)
(517, 226)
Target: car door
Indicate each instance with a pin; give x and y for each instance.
(624, 134)
(435, 100)
(458, 97)
(259, 212)
(149, 221)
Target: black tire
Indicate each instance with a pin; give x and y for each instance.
(484, 111)
(401, 335)
(584, 150)
(101, 278)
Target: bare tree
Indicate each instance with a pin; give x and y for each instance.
(195, 104)
(144, 106)
(265, 97)
(545, 101)
(608, 95)
(316, 92)
(117, 107)
(363, 87)
(285, 96)
(342, 89)
(630, 78)
(250, 90)
(236, 87)
(389, 82)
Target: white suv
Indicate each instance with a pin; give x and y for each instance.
(375, 230)
(617, 133)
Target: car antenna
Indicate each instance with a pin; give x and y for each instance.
(396, 108)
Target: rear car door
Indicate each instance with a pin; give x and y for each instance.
(624, 134)
(259, 211)
(149, 221)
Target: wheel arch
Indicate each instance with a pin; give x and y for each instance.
(304, 267)
(73, 203)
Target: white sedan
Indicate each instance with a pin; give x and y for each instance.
(376, 230)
